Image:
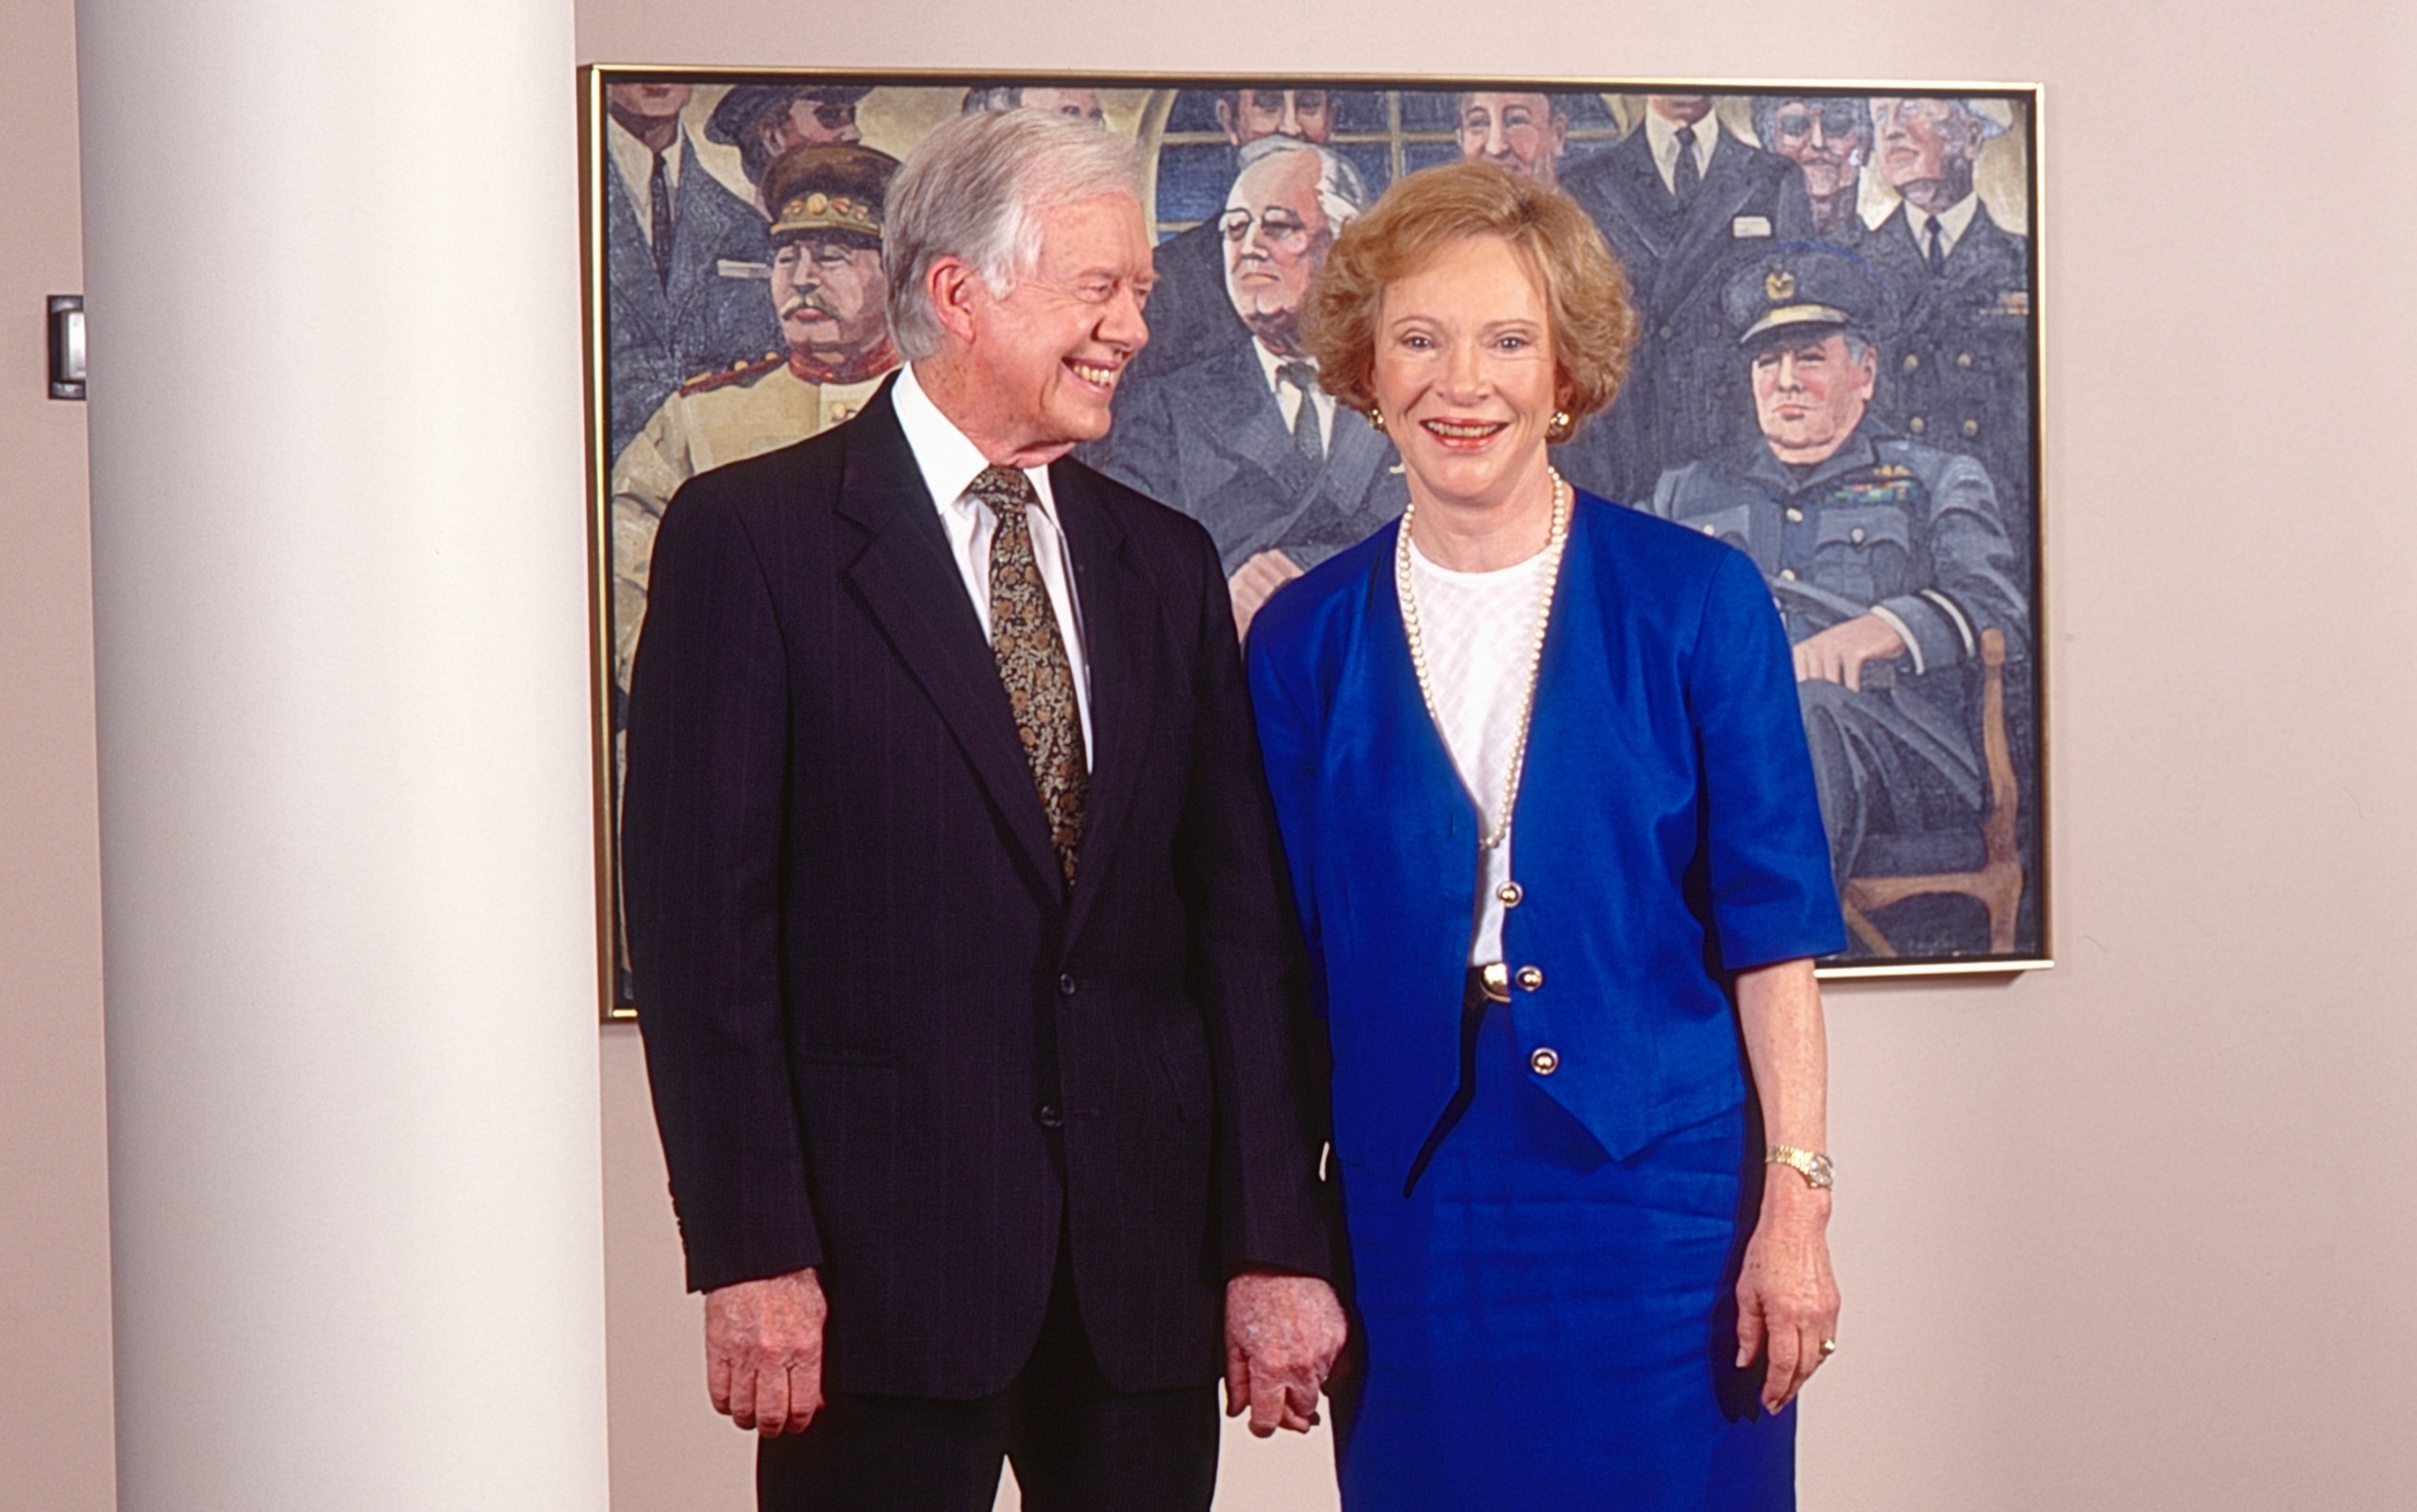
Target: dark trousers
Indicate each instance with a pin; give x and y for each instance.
(1077, 1445)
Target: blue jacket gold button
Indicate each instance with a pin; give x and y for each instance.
(1545, 1060)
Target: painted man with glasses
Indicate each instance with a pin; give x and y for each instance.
(1244, 440)
(1829, 140)
(1189, 314)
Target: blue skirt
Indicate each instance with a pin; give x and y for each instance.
(1545, 1327)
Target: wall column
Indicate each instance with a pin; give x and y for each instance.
(340, 584)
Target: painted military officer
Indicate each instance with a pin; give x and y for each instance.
(829, 294)
(1887, 556)
(1959, 369)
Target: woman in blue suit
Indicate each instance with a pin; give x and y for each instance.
(1566, 1050)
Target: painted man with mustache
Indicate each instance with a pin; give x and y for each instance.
(828, 292)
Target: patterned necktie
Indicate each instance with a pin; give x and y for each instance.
(1306, 437)
(1684, 175)
(1032, 662)
(659, 212)
(1937, 258)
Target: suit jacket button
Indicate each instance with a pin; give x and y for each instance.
(1912, 362)
(1065, 984)
(1787, 574)
(1795, 516)
(1971, 427)
(1049, 1117)
(1963, 359)
(1531, 977)
(1917, 425)
(1508, 894)
(1545, 1060)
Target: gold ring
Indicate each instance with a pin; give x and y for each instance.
(1828, 1347)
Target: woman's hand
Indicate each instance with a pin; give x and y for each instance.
(1788, 1299)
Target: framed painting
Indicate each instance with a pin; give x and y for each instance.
(735, 304)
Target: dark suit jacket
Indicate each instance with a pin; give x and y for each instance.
(1957, 372)
(1211, 440)
(704, 320)
(1687, 395)
(883, 1038)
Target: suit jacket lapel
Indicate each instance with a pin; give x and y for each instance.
(909, 584)
(1118, 613)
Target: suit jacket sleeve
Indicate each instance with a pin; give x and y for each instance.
(702, 828)
(1247, 969)
(1767, 860)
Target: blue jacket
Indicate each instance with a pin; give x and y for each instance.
(1667, 835)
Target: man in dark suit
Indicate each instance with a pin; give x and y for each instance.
(1244, 440)
(685, 258)
(1680, 200)
(968, 986)
(1958, 374)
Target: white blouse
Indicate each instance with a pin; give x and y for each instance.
(1478, 629)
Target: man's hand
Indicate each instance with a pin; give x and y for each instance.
(1254, 581)
(1837, 653)
(1283, 1334)
(764, 1351)
(1788, 1299)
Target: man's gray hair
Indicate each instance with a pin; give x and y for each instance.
(979, 188)
(1983, 124)
(1342, 192)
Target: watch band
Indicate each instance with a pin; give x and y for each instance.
(1812, 1165)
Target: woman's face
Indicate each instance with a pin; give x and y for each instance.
(1464, 373)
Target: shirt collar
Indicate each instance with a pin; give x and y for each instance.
(1952, 222)
(1662, 135)
(636, 160)
(948, 460)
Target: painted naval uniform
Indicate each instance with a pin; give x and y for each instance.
(1958, 373)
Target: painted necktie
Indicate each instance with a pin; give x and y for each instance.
(1032, 662)
(1937, 256)
(1684, 175)
(1307, 438)
(658, 216)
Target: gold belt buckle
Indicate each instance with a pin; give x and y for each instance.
(1496, 977)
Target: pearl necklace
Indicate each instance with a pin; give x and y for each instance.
(1405, 589)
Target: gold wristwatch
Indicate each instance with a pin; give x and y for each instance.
(1810, 1164)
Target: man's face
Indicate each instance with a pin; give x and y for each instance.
(1276, 235)
(1307, 114)
(1518, 132)
(808, 121)
(1809, 395)
(1680, 110)
(1921, 141)
(1828, 139)
(1083, 104)
(830, 295)
(645, 103)
(1049, 355)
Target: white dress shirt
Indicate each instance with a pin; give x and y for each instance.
(1662, 135)
(1477, 628)
(1952, 222)
(1288, 398)
(949, 463)
(636, 161)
